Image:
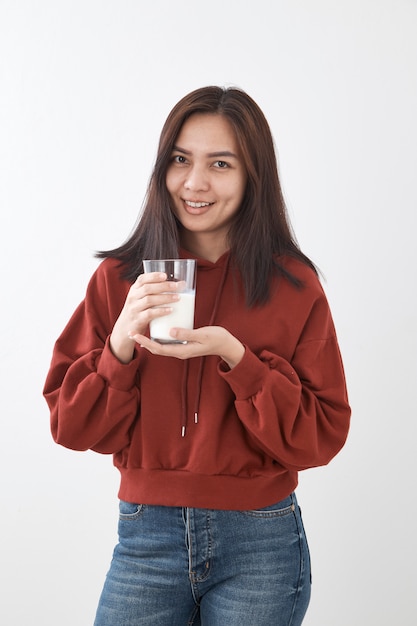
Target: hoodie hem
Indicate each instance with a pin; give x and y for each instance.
(186, 489)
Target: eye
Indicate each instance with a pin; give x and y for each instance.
(179, 158)
(222, 165)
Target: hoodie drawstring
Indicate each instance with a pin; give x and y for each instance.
(202, 360)
(184, 402)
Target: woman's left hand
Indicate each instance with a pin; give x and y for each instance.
(208, 340)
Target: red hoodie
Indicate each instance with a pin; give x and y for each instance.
(248, 431)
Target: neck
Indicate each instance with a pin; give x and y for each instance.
(207, 247)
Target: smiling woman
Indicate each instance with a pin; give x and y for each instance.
(256, 389)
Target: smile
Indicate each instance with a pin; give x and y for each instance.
(197, 205)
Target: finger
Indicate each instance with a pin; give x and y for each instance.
(150, 277)
(183, 334)
(137, 337)
(158, 348)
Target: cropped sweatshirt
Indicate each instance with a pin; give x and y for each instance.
(195, 433)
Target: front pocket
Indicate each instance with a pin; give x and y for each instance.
(129, 511)
(279, 509)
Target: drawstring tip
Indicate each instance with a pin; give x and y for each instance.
(183, 431)
(196, 418)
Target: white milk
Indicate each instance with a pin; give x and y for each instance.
(182, 316)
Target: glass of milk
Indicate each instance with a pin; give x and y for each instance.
(182, 315)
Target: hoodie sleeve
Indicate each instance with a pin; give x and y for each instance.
(296, 411)
(93, 398)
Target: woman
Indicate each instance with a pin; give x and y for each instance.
(209, 434)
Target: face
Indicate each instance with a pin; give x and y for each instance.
(206, 178)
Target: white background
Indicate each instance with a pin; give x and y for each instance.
(85, 87)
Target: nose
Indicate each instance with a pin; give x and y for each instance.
(196, 179)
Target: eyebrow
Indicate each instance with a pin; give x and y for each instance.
(210, 155)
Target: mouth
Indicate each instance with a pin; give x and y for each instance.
(196, 208)
(197, 205)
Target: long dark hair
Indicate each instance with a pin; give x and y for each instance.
(261, 231)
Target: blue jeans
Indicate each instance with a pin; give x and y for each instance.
(178, 566)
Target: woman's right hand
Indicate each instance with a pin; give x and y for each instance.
(148, 291)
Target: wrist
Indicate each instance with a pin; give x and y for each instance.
(123, 350)
(234, 353)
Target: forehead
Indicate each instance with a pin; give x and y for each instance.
(207, 131)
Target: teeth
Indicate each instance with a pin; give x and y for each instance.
(197, 205)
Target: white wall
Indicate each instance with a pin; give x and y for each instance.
(84, 89)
